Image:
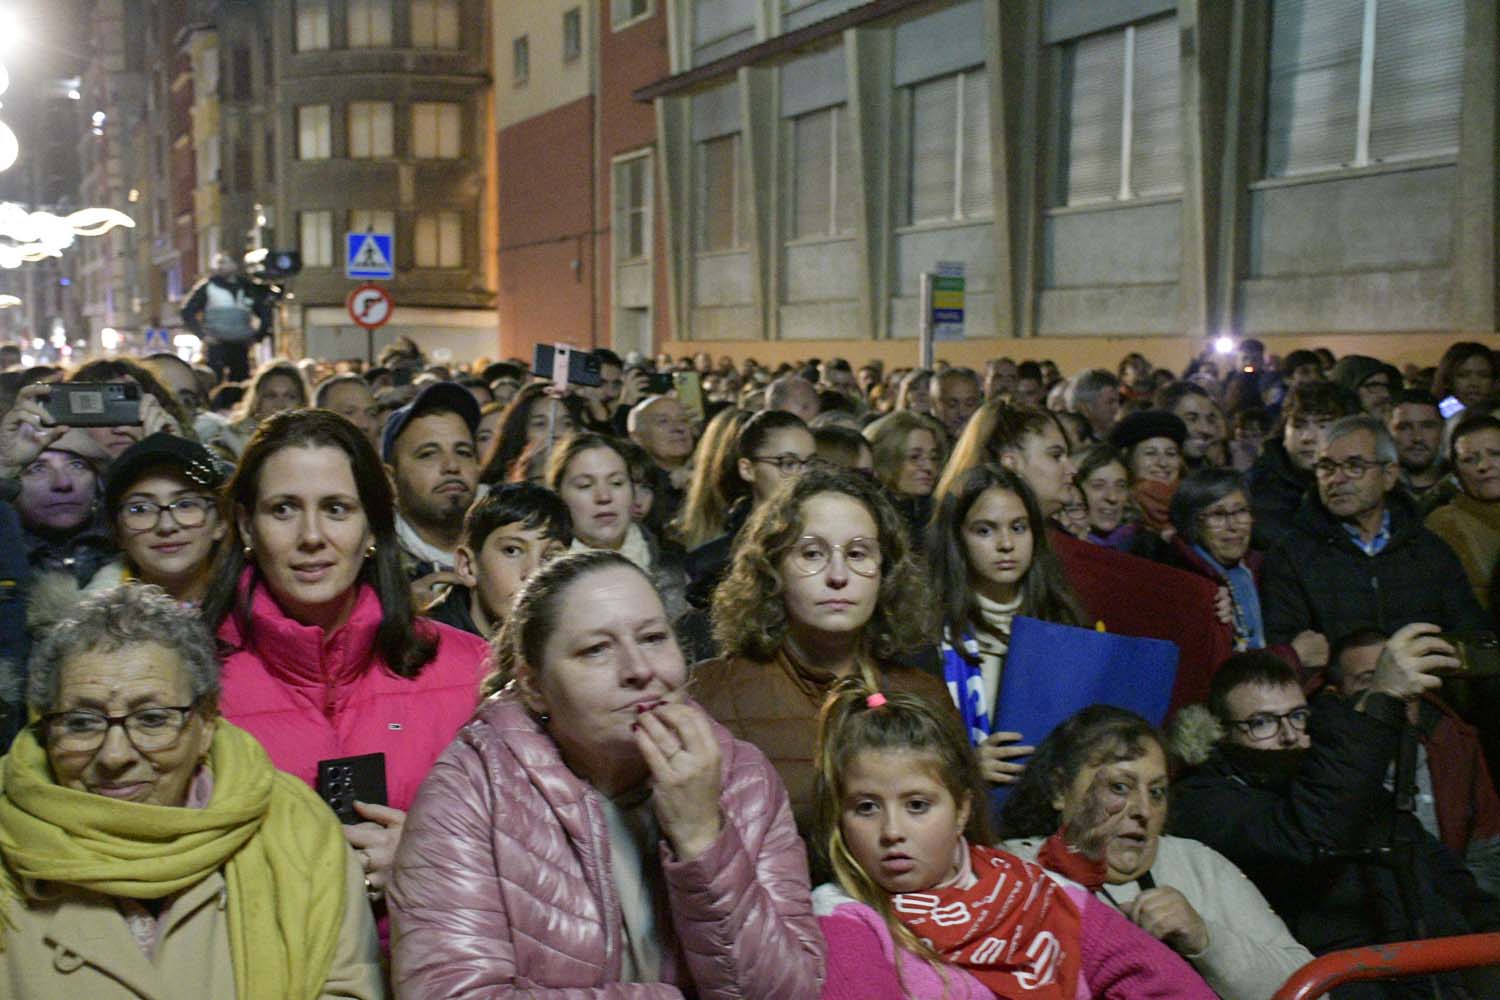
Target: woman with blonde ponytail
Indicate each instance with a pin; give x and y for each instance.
(824, 585)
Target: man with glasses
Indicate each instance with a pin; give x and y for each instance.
(1295, 795)
(1358, 555)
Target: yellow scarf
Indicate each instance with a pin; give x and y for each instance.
(282, 852)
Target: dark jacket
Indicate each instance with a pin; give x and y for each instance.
(707, 564)
(1318, 578)
(453, 609)
(15, 641)
(1276, 491)
(1302, 839)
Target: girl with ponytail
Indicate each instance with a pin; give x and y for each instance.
(921, 907)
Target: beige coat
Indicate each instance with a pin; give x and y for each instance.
(78, 946)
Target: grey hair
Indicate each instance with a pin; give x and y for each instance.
(132, 614)
(1087, 386)
(1200, 489)
(1385, 445)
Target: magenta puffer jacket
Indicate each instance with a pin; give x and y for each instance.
(309, 699)
(503, 887)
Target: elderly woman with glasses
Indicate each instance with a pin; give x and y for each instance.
(824, 584)
(1212, 515)
(150, 849)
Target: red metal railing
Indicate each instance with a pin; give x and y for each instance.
(1404, 958)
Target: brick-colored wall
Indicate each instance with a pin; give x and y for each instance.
(628, 60)
(545, 226)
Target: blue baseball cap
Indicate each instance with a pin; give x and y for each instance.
(439, 397)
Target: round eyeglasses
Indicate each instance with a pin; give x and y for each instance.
(144, 515)
(147, 729)
(812, 555)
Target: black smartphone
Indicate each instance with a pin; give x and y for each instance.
(564, 365)
(659, 384)
(1478, 652)
(342, 780)
(95, 404)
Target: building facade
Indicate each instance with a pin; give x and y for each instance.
(580, 240)
(1126, 169)
(381, 111)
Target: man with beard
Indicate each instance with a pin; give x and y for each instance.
(1207, 436)
(1295, 795)
(1417, 426)
(1358, 554)
(428, 449)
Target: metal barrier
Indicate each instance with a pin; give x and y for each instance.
(1403, 958)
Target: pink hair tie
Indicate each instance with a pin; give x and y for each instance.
(875, 700)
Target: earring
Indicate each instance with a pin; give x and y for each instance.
(249, 554)
(370, 551)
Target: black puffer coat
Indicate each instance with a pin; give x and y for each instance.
(1318, 578)
(1297, 839)
(1276, 491)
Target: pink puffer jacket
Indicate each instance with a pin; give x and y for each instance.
(307, 699)
(503, 886)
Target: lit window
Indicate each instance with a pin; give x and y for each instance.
(438, 239)
(314, 134)
(434, 24)
(436, 131)
(369, 24)
(371, 130)
(312, 25)
(366, 220)
(317, 238)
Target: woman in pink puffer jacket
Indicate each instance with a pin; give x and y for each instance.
(594, 834)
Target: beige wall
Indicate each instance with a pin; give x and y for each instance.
(551, 82)
(1073, 354)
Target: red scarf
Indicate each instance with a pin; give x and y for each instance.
(1015, 930)
(1057, 856)
(1155, 502)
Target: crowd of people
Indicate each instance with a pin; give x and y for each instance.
(688, 679)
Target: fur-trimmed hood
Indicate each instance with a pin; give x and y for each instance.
(54, 596)
(1194, 735)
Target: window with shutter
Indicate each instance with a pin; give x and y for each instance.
(1358, 82)
(845, 194)
(1122, 131)
(371, 220)
(811, 164)
(718, 194)
(950, 148)
(436, 131)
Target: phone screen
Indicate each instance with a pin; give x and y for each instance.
(1449, 406)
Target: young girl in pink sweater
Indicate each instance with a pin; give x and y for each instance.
(923, 907)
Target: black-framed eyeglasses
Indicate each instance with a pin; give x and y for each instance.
(787, 464)
(187, 512)
(1264, 725)
(1220, 519)
(148, 729)
(1352, 468)
(812, 555)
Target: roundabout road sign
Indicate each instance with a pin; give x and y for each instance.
(370, 306)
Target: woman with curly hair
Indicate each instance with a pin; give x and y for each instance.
(824, 585)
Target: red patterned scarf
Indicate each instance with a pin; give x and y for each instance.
(1014, 929)
(1058, 856)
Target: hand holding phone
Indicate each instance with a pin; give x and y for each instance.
(95, 404)
(344, 780)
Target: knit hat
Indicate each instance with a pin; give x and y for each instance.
(196, 463)
(1143, 425)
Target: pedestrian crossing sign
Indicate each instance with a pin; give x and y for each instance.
(370, 255)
